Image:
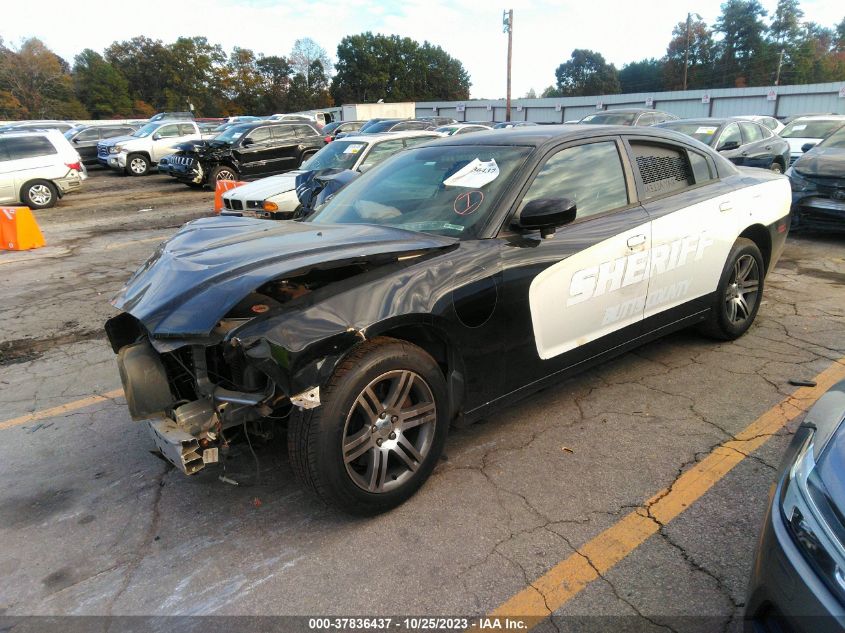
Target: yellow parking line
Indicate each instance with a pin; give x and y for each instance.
(53, 412)
(566, 579)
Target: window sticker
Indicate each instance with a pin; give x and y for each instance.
(474, 175)
(798, 128)
(353, 149)
(706, 129)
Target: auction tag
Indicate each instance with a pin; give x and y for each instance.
(474, 175)
(796, 128)
(353, 149)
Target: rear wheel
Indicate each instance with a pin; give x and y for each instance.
(739, 293)
(137, 165)
(776, 167)
(39, 194)
(378, 432)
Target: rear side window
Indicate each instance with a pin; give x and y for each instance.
(591, 175)
(28, 147)
(661, 169)
(700, 168)
(304, 131)
(283, 132)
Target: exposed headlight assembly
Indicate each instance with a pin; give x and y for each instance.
(808, 518)
(798, 182)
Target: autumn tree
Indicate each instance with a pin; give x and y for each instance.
(586, 73)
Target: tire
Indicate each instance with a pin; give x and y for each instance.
(221, 172)
(776, 167)
(305, 157)
(736, 304)
(137, 165)
(39, 194)
(352, 457)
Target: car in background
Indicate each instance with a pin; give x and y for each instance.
(768, 121)
(461, 128)
(437, 121)
(504, 125)
(817, 179)
(384, 318)
(797, 576)
(275, 198)
(139, 152)
(170, 116)
(84, 138)
(396, 125)
(317, 119)
(38, 168)
(22, 126)
(331, 130)
(805, 132)
(243, 152)
(628, 116)
(744, 143)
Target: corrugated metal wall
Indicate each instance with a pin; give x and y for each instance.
(788, 100)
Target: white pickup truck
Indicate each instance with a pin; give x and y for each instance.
(136, 154)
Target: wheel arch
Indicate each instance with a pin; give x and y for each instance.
(143, 153)
(759, 234)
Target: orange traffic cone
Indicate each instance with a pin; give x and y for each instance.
(222, 187)
(19, 229)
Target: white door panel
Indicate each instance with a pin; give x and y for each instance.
(591, 293)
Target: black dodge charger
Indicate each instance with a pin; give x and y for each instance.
(453, 278)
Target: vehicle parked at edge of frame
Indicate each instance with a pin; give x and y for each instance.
(744, 143)
(172, 116)
(796, 580)
(628, 116)
(38, 168)
(243, 152)
(331, 130)
(505, 125)
(461, 128)
(802, 133)
(767, 121)
(817, 179)
(139, 152)
(23, 126)
(275, 198)
(452, 279)
(437, 121)
(85, 138)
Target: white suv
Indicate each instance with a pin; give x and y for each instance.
(38, 168)
(136, 154)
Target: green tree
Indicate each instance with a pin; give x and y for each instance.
(372, 67)
(785, 29)
(586, 73)
(243, 84)
(702, 51)
(149, 69)
(198, 72)
(642, 76)
(275, 72)
(743, 58)
(100, 86)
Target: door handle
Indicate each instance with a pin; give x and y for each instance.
(725, 206)
(745, 153)
(636, 240)
(768, 147)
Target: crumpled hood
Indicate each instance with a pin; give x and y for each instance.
(200, 146)
(198, 275)
(264, 188)
(822, 161)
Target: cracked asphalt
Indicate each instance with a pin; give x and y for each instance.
(94, 524)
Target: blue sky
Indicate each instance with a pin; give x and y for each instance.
(545, 32)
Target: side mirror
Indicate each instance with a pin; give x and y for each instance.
(76, 140)
(547, 214)
(156, 136)
(247, 141)
(726, 147)
(806, 147)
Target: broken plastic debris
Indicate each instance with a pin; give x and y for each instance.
(227, 480)
(802, 383)
(566, 449)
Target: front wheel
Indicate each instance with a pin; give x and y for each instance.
(39, 194)
(738, 294)
(378, 432)
(776, 167)
(137, 165)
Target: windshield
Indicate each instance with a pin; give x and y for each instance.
(837, 139)
(447, 190)
(610, 118)
(145, 131)
(336, 155)
(381, 126)
(811, 129)
(703, 132)
(232, 134)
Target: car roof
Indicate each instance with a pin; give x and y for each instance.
(711, 120)
(383, 136)
(820, 117)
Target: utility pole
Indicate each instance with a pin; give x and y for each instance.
(686, 54)
(780, 65)
(507, 22)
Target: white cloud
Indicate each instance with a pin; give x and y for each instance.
(545, 32)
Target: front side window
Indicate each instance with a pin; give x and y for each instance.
(91, 134)
(446, 190)
(169, 131)
(28, 147)
(590, 175)
(284, 133)
(260, 135)
(730, 134)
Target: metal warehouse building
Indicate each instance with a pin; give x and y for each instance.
(778, 101)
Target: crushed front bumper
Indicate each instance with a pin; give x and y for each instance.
(187, 452)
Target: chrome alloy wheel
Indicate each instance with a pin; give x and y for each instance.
(389, 431)
(40, 195)
(225, 174)
(743, 289)
(138, 165)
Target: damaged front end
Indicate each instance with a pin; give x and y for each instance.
(193, 160)
(197, 362)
